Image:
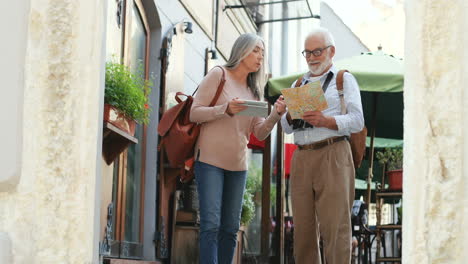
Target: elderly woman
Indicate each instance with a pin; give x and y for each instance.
(220, 152)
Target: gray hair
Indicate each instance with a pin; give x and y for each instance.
(324, 33)
(242, 47)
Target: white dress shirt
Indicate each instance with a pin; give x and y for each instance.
(351, 122)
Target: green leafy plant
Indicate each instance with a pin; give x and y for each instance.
(253, 185)
(128, 91)
(248, 208)
(254, 179)
(392, 157)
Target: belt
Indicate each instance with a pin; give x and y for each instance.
(322, 143)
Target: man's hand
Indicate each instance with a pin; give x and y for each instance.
(235, 106)
(317, 119)
(280, 105)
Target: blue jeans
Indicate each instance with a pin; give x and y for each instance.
(220, 193)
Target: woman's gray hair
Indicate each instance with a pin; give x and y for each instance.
(242, 47)
(324, 33)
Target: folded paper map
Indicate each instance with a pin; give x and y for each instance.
(255, 108)
(309, 97)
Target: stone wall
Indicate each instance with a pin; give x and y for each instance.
(51, 215)
(435, 124)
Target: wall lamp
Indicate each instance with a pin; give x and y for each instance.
(213, 52)
(188, 27)
(209, 57)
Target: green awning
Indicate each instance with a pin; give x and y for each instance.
(385, 143)
(360, 184)
(360, 189)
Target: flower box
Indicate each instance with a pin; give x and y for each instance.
(118, 133)
(118, 119)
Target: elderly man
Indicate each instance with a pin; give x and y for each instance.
(322, 170)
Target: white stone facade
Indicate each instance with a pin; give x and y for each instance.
(49, 216)
(435, 162)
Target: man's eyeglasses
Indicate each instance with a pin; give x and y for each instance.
(316, 52)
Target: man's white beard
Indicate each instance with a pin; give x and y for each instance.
(317, 70)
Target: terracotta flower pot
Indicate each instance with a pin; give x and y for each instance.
(118, 119)
(395, 180)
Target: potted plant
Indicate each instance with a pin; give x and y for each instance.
(126, 97)
(393, 159)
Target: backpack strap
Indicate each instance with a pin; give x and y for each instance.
(339, 87)
(218, 91)
(299, 82)
(220, 87)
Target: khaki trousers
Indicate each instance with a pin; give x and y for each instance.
(322, 194)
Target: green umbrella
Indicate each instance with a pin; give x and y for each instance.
(375, 72)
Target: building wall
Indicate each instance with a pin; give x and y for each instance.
(51, 215)
(150, 200)
(285, 40)
(435, 150)
(347, 43)
(231, 23)
(13, 53)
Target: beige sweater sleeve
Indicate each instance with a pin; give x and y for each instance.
(262, 127)
(201, 112)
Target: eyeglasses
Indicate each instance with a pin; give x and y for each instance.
(316, 52)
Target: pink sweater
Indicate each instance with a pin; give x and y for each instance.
(223, 139)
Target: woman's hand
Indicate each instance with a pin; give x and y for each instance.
(235, 106)
(280, 105)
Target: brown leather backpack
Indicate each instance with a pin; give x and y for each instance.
(178, 134)
(357, 140)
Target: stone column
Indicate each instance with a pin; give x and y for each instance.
(51, 214)
(436, 128)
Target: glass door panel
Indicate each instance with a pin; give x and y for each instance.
(133, 187)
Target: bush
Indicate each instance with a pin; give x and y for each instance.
(128, 91)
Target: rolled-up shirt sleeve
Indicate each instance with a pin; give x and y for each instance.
(353, 120)
(201, 111)
(287, 128)
(261, 127)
